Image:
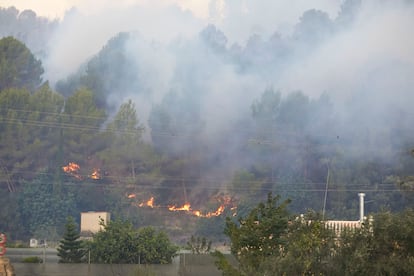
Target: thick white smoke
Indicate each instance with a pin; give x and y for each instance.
(360, 55)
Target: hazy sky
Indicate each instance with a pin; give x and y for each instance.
(57, 8)
(238, 16)
(53, 8)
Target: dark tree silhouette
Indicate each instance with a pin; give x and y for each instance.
(70, 249)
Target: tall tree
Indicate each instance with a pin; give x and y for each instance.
(70, 248)
(18, 66)
(81, 122)
(126, 144)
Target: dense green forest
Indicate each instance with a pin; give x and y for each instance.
(106, 139)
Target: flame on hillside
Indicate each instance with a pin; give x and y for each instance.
(186, 207)
(96, 174)
(73, 169)
(148, 203)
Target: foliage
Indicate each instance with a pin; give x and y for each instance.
(18, 67)
(308, 250)
(81, 121)
(35, 31)
(199, 245)
(33, 260)
(383, 246)
(126, 147)
(259, 235)
(119, 242)
(109, 71)
(71, 249)
(223, 264)
(280, 146)
(46, 210)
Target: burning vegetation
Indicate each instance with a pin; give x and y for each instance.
(225, 202)
(73, 170)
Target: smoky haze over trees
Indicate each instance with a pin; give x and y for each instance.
(196, 115)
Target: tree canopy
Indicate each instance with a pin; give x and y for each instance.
(259, 235)
(119, 242)
(18, 66)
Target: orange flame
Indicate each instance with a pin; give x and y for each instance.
(187, 207)
(96, 174)
(149, 203)
(72, 169)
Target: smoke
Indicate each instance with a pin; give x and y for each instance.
(358, 52)
(240, 19)
(206, 70)
(366, 68)
(81, 35)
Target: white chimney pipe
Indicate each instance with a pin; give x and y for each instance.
(361, 206)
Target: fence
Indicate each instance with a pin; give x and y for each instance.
(182, 265)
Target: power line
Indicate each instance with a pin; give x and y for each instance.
(211, 180)
(215, 188)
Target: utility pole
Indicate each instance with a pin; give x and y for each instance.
(326, 191)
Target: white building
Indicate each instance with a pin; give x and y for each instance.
(91, 221)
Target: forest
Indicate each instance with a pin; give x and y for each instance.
(181, 135)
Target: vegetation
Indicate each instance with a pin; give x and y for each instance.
(42, 131)
(133, 138)
(199, 245)
(18, 67)
(33, 260)
(71, 249)
(120, 243)
(305, 246)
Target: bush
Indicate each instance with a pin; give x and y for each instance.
(33, 260)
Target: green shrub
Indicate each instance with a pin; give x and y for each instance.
(33, 260)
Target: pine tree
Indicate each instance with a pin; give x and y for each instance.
(70, 249)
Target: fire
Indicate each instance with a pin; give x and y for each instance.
(149, 203)
(72, 169)
(186, 208)
(96, 174)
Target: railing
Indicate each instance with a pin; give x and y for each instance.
(340, 225)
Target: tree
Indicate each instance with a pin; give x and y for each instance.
(119, 242)
(199, 245)
(110, 71)
(18, 67)
(46, 211)
(384, 245)
(309, 248)
(126, 146)
(258, 236)
(81, 121)
(71, 249)
(154, 247)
